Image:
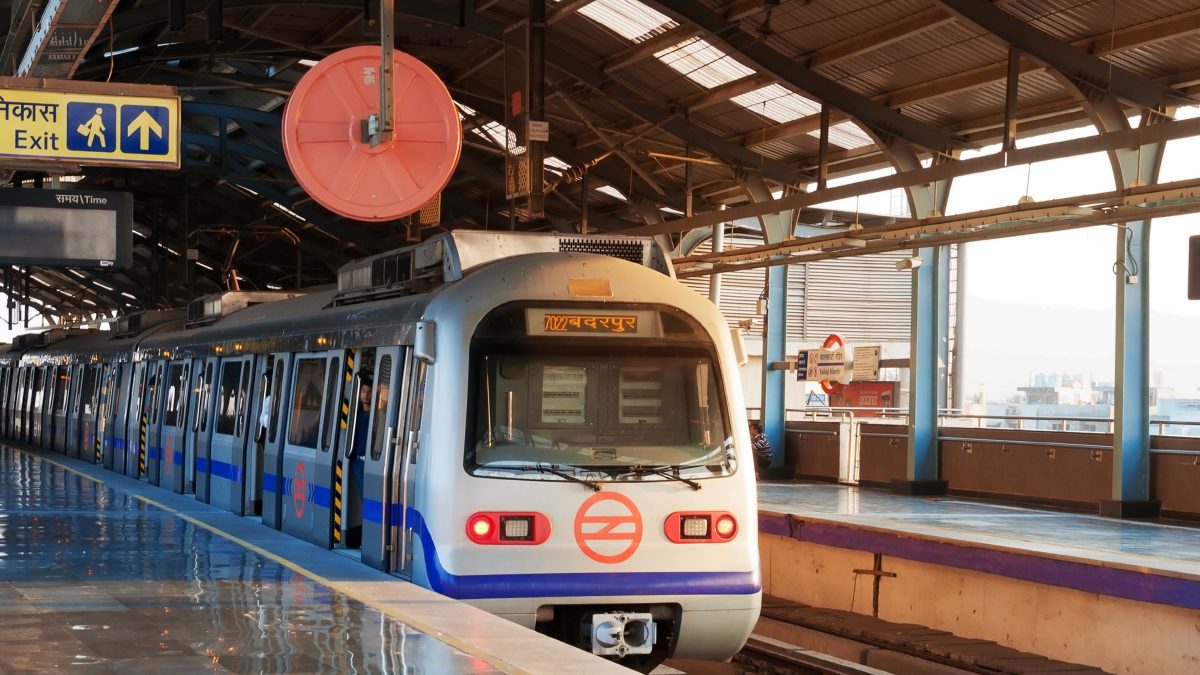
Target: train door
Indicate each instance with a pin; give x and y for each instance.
(374, 498)
(88, 449)
(257, 420)
(37, 395)
(227, 443)
(273, 441)
(349, 469)
(173, 428)
(49, 405)
(135, 444)
(202, 430)
(154, 406)
(115, 422)
(23, 397)
(308, 467)
(402, 553)
(62, 400)
(197, 408)
(105, 434)
(70, 443)
(5, 382)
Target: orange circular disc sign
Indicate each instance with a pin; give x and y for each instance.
(323, 136)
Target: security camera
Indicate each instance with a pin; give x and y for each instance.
(909, 263)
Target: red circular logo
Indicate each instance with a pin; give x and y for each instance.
(299, 489)
(608, 528)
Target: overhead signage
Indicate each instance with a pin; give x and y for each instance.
(63, 124)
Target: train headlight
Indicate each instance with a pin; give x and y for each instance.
(700, 527)
(726, 526)
(493, 527)
(480, 528)
(516, 528)
(694, 527)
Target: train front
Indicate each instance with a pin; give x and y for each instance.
(601, 488)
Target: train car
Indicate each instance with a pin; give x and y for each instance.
(549, 427)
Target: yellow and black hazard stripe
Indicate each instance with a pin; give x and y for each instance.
(98, 434)
(142, 448)
(343, 417)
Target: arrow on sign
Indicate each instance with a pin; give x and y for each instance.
(144, 124)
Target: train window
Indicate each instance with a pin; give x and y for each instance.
(276, 394)
(622, 407)
(175, 388)
(205, 396)
(227, 396)
(331, 401)
(87, 394)
(382, 378)
(138, 386)
(306, 402)
(361, 395)
(243, 398)
(38, 379)
(62, 384)
(150, 407)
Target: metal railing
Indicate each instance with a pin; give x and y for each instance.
(851, 420)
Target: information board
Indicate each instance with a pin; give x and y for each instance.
(69, 228)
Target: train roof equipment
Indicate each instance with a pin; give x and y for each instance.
(207, 309)
(450, 256)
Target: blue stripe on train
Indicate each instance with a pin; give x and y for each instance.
(219, 469)
(491, 586)
(318, 495)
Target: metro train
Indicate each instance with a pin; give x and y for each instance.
(549, 427)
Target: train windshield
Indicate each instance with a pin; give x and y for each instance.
(609, 407)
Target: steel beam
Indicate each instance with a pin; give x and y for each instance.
(1080, 146)
(1087, 71)
(882, 119)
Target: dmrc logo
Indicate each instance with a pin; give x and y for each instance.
(608, 528)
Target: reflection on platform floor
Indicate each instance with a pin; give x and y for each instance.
(1172, 548)
(94, 581)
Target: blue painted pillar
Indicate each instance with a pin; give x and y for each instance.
(922, 477)
(1131, 496)
(774, 405)
(1131, 416)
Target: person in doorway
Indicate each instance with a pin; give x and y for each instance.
(761, 446)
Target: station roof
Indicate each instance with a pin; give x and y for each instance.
(653, 100)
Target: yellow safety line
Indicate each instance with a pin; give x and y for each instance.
(391, 612)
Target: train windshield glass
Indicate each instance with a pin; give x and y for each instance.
(614, 409)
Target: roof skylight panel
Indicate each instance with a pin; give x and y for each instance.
(703, 63)
(628, 18)
(778, 103)
(846, 135)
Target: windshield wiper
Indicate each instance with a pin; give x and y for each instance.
(557, 470)
(665, 472)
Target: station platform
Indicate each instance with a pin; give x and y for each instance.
(1070, 586)
(100, 573)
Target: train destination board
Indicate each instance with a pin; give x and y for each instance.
(592, 323)
(57, 123)
(589, 323)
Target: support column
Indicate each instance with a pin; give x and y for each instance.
(928, 351)
(1131, 417)
(774, 406)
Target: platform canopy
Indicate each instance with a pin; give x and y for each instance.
(654, 109)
